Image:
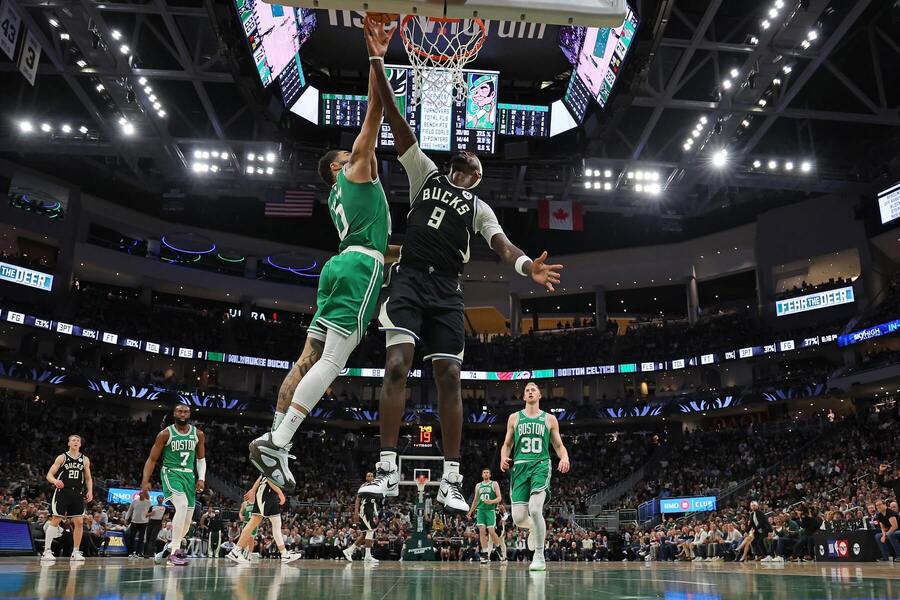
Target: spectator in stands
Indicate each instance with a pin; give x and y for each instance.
(810, 523)
(889, 536)
(137, 518)
(759, 524)
(891, 484)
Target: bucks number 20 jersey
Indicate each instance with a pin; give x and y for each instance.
(181, 450)
(532, 438)
(360, 213)
(442, 219)
(72, 472)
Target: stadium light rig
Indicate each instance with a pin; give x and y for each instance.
(598, 179)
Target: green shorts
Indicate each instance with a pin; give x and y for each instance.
(528, 478)
(348, 294)
(179, 482)
(488, 518)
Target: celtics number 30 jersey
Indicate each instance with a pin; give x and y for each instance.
(360, 213)
(181, 451)
(532, 438)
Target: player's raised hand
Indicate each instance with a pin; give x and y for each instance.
(377, 39)
(544, 274)
(563, 465)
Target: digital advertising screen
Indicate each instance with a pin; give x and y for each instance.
(602, 56)
(570, 40)
(275, 34)
(685, 505)
(815, 301)
(27, 277)
(15, 538)
(889, 204)
(127, 495)
(524, 120)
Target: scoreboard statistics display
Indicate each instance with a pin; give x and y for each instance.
(524, 120)
(343, 110)
(577, 97)
(291, 81)
(889, 204)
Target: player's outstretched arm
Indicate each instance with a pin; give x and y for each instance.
(540, 272)
(558, 446)
(162, 438)
(201, 460)
(362, 167)
(377, 40)
(506, 448)
(54, 469)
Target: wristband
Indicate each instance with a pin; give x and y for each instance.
(520, 265)
(373, 58)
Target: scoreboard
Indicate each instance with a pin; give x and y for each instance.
(524, 120)
(343, 110)
(423, 436)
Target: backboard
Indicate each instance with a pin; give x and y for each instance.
(589, 13)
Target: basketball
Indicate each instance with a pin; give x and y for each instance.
(383, 18)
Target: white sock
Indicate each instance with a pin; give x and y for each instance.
(368, 552)
(389, 456)
(310, 389)
(51, 533)
(451, 466)
(279, 417)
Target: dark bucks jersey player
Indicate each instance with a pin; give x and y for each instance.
(423, 298)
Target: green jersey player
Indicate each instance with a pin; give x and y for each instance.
(529, 435)
(348, 286)
(485, 504)
(180, 446)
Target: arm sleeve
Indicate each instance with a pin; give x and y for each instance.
(418, 169)
(486, 221)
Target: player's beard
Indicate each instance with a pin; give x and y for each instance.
(181, 422)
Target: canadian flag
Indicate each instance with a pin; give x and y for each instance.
(564, 215)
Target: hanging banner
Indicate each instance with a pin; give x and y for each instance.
(10, 23)
(30, 57)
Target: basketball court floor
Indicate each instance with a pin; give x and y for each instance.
(270, 580)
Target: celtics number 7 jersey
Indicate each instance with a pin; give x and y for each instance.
(360, 213)
(532, 438)
(181, 450)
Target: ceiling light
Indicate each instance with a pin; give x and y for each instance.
(654, 176)
(773, 12)
(805, 166)
(152, 97)
(46, 128)
(157, 106)
(66, 128)
(587, 185)
(205, 155)
(596, 185)
(653, 188)
(639, 175)
(124, 49)
(734, 73)
(127, 128)
(630, 175)
(116, 35)
(804, 44)
(53, 22)
(607, 173)
(756, 164)
(745, 123)
(83, 130)
(148, 90)
(703, 120)
(695, 133)
(776, 81)
(788, 166)
(726, 84)
(762, 102)
(100, 87)
(270, 157)
(639, 188)
(215, 154)
(249, 170)
(787, 69)
(588, 173)
(26, 126)
(720, 158)
(198, 154)
(251, 156)
(162, 113)
(259, 170)
(64, 36)
(607, 186)
(197, 167)
(270, 170)
(765, 24)
(772, 165)
(81, 63)
(686, 147)
(779, 4)
(142, 81)
(754, 40)
(214, 168)
(812, 35)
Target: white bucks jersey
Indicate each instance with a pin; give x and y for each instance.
(440, 225)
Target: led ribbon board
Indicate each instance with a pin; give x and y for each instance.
(685, 505)
(815, 301)
(26, 277)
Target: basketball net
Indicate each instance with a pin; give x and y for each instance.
(438, 50)
(421, 480)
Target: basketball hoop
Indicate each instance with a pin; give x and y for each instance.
(438, 49)
(421, 480)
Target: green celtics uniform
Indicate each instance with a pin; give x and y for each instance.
(177, 472)
(350, 282)
(531, 458)
(486, 514)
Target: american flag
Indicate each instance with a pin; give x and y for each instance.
(294, 204)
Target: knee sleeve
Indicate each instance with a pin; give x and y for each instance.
(370, 535)
(521, 517)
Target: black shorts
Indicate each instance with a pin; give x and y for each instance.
(67, 503)
(426, 306)
(266, 502)
(368, 519)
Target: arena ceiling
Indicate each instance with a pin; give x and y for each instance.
(142, 85)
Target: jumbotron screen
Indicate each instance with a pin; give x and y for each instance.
(889, 204)
(275, 34)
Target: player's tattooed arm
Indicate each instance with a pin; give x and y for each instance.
(558, 446)
(54, 469)
(162, 438)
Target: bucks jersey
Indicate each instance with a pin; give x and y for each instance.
(486, 492)
(181, 450)
(532, 438)
(360, 213)
(71, 473)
